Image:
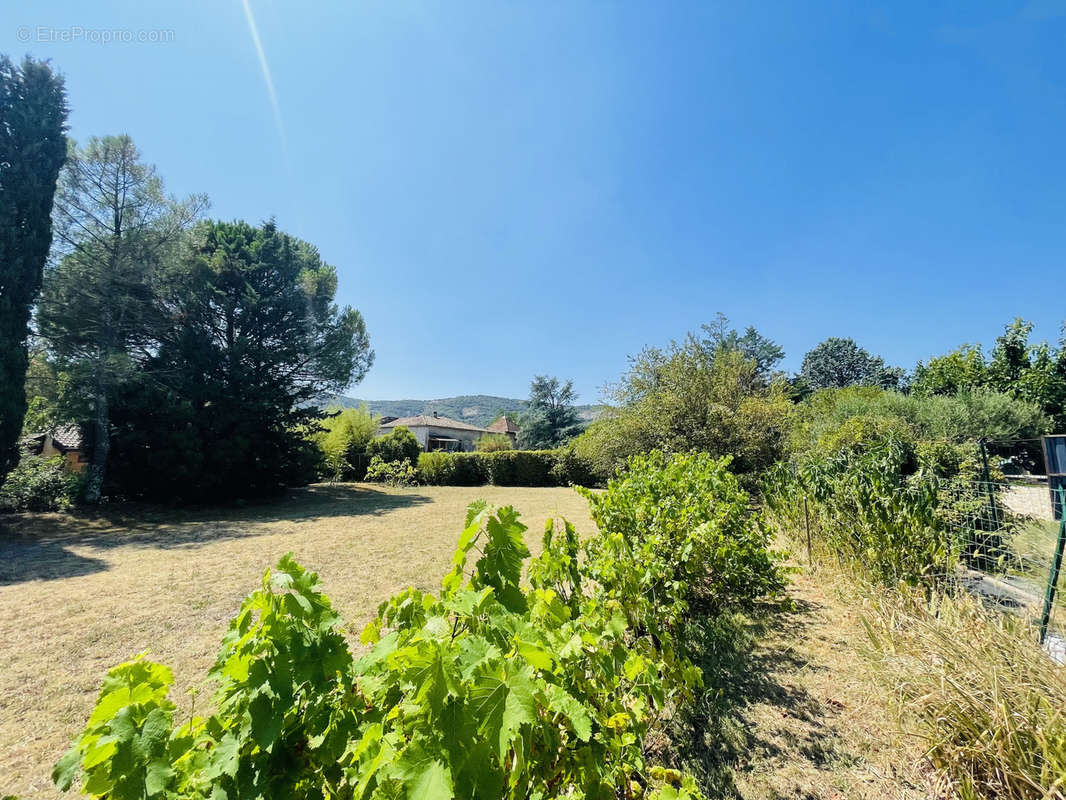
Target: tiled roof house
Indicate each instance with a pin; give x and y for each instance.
(435, 432)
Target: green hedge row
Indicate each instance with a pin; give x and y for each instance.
(506, 468)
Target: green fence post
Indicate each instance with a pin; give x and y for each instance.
(1053, 577)
(988, 484)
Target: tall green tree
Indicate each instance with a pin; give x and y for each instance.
(550, 418)
(836, 363)
(227, 398)
(33, 113)
(115, 227)
(688, 398)
(963, 368)
(1015, 366)
(719, 337)
(1012, 356)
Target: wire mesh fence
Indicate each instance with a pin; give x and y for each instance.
(1011, 546)
(992, 525)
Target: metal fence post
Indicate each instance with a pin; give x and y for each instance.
(988, 484)
(807, 522)
(1053, 577)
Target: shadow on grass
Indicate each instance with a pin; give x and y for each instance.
(35, 546)
(720, 735)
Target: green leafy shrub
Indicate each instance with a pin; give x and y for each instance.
(679, 530)
(893, 482)
(966, 417)
(610, 441)
(486, 690)
(521, 467)
(572, 469)
(437, 468)
(691, 397)
(469, 469)
(494, 442)
(40, 484)
(397, 445)
(393, 473)
(561, 467)
(858, 433)
(343, 441)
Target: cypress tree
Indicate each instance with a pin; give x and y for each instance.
(33, 113)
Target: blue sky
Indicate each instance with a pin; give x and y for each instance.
(511, 188)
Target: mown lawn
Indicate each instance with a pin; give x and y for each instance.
(80, 593)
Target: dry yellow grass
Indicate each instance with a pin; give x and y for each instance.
(977, 691)
(79, 594)
(800, 714)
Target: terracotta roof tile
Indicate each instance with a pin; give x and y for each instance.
(424, 420)
(503, 425)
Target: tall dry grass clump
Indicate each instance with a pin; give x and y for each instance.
(973, 683)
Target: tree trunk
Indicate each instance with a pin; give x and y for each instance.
(101, 446)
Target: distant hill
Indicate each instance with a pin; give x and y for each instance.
(477, 409)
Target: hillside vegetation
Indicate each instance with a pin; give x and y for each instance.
(475, 409)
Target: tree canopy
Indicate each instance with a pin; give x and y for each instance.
(227, 395)
(720, 338)
(1035, 373)
(550, 418)
(836, 363)
(33, 114)
(115, 229)
(343, 440)
(690, 397)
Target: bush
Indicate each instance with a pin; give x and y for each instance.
(967, 417)
(507, 468)
(521, 468)
(398, 445)
(343, 441)
(682, 521)
(40, 484)
(493, 442)
(469, 469)
(393, 473)
(437, 469)
(572, 469)
(610, 441)
(689, 398)
(894, 482)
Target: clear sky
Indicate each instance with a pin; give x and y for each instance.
(511, 188)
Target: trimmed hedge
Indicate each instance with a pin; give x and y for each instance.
(505, 468)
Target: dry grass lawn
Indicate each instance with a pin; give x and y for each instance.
(79, 594)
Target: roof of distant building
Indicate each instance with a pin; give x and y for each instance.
(65, 437)
(68, 436)
(431, 420)
(503, 425)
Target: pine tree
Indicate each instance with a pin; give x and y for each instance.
(33, 113)
(114, 226)
(227, 397)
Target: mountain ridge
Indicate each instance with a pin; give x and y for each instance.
(475, 409)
